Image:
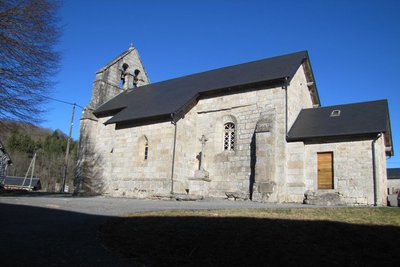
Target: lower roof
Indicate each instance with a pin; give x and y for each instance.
(393, 173)
(365, 118)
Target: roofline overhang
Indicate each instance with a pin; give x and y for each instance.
(340, 138)
(141, 121)
(331, 138)
(311, 83)
(110, 112)
(388, 134)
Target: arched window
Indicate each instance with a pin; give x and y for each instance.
(143, 148)
(229, 136)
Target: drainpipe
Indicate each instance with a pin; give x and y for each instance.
(173, 121)
(376, 184)
(285, 87)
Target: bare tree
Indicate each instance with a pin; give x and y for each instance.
(28, 59)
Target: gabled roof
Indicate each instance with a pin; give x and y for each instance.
(160, 100)
(393, 173)
(357, 119)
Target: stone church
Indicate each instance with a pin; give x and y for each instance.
(252, 131)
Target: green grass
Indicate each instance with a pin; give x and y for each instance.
(265, 237)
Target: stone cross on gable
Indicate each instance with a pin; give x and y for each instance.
(203, 141)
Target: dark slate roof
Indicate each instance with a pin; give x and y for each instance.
(165, 98)
(393, 173)
(17, 181)
(355, 119)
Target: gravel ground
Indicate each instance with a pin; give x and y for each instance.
(121, 206)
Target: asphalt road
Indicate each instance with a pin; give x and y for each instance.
(61, 230)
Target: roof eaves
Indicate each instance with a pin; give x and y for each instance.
(109, 112)
(99, 110)
(311, 138)
(142, 121)
(389, 130)
(310, 75)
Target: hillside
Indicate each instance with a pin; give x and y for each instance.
(23, 140)
(6, 127)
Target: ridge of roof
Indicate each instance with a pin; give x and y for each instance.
(235, 65)
(166, 97)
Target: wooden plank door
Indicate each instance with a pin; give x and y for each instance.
(325, 170)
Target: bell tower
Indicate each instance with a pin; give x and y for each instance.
(125, 72)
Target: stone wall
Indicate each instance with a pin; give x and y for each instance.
(229, 171)
(298, 99)
(126, 171)
(298, 96)
(258, 169)
(352, 168)
(381, 173)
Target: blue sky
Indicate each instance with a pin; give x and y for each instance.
(354, 46)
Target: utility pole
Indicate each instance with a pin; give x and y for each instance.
(32, 168)
(67, 152)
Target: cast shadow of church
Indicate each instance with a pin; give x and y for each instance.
(249, 241)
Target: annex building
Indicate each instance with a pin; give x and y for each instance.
(251, 131)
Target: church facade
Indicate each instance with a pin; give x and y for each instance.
(252, 131)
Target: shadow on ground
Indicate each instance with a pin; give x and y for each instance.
(207, 241)
(32, 236)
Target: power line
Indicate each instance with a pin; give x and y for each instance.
(63, 101)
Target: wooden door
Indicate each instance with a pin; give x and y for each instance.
(325, 170)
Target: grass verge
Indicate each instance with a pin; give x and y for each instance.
(265, 237)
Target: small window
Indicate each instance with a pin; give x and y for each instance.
(146, 151)
(142, 148)
(229, 136)
(335, 113)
